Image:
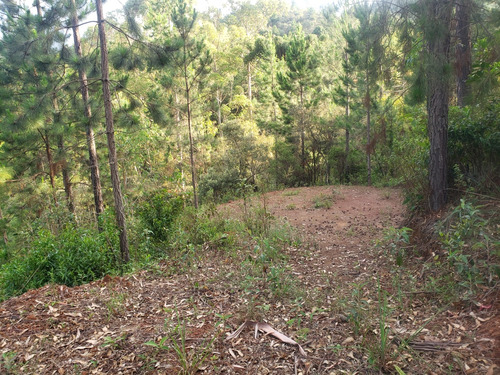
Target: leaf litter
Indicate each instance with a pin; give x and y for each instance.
(332, 322)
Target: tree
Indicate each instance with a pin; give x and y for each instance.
(437, 39)
(89, 128)
(110, 133)
(193, 60)
(300, 81)
(463, 56)
(367, 48)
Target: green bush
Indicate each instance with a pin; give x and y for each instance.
(158, 213)
(472, 245)
(218, 184)
(474, 146)
(74, 257)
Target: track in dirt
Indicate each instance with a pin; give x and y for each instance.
(333, 312)
(340, 221)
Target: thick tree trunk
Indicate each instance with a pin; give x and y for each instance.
(463, 49)
(110, 133)
(438, 44)
(93, 161)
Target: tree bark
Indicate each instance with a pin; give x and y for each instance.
(179, 140)
(347, 113)
(110, 133)
(50, 160)
(93, 161)
(68, 187)
(190, 130)
(249, 70)
(463, 50)
(302, 133)
(438, 44)
(368, 130)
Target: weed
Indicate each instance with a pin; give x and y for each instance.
(323, 201)
(114, 342)
(190, 358)
(398, 243)
(471, 250)
(378, 352)
(290, 207)
(7, 362)
(116, 304)
(290, 193)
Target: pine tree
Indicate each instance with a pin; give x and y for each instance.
(89, 126)
(300, 82)
(193, 62)
(437, 38)
(110, 133)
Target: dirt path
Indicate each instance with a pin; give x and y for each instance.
(342, 222)
(334, 309)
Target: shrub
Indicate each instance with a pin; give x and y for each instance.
(159, 212)
(74, 257)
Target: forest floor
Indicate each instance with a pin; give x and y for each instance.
(335, 293)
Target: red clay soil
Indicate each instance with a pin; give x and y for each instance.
(128, 325)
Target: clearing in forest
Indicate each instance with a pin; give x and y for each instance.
(313, 274)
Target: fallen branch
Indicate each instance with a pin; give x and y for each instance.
(268, 330)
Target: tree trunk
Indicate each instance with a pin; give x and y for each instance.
(50, 161)
(249, 70)
(179, 141)
(302, 133)
(68, 187)
(463, 49)
(347, 135)
(110, 133)
(5, 238)
(438, 43)
(368, 131)
(93, 161)
(190, 130)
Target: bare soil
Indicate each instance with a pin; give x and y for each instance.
(346, 293)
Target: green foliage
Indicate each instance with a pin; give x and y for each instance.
(474, 146)
(158, 212)
(323, 201)
(472, 250)
(75, 256)
(398, 242)
(190, 358)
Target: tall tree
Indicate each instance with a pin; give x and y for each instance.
(365, 42)
(193, 60)
(437, 15)
(463, 55)
(89, 127)
(110, 133)
(300, 80)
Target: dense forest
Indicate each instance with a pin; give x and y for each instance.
(123, 134)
